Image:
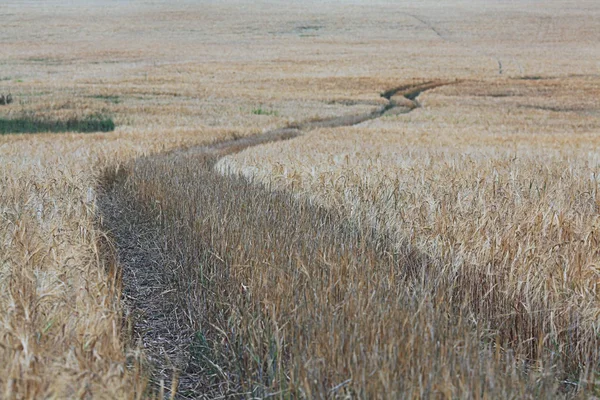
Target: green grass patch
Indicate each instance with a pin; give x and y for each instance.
(28, 124)
(264, 111)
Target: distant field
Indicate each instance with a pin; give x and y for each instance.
(214, 198)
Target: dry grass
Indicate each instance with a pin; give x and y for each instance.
(173, 76)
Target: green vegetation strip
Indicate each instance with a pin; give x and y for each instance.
(36, 125)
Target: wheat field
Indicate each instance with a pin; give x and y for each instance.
(448, 249)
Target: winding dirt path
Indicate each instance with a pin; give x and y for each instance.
(161, 319)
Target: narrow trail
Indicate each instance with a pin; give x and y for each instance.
(162, 309)
(401, 100)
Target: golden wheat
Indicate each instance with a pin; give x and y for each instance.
(175, 76)
(510, 218)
